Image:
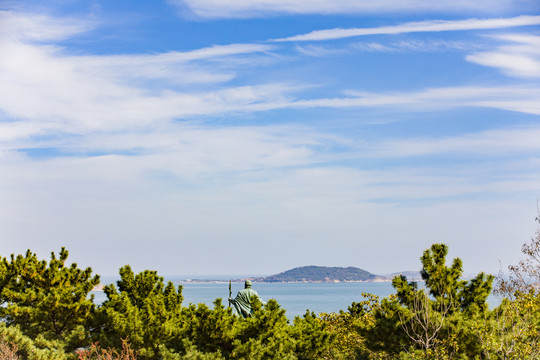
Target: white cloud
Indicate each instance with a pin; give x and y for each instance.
(68, 94)
(74, 94)
(174, 57)
(37, 27)
(414, 46)
(522, 99)
(373, 47)
(258, 8)
(215, 64)
(50, 92)
(498, 142)
(521, 58)
(422, 26)
(318, 51)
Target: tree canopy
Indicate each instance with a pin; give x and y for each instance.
(47, 312)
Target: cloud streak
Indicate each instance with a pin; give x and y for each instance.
(415, 27)
(45, 91)
(521, 99)
(40, 28)
(520, 58)
(499, 142)
(261, 8)
(415, 46)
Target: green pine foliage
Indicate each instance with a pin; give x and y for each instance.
(32, 348)
(447, 287)
(436, 320)
(191, 353)
(46, 312)
(47, 299)
(312, 337)
(264, 335)
(142, 310)
(208, 330)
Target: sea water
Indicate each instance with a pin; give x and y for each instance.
(294, 298)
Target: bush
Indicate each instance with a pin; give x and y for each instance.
(96, 352)
(8, 351)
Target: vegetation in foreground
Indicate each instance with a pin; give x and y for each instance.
(46, 313)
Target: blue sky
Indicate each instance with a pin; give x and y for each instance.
(236, 137)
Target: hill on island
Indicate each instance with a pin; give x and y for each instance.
(322, 274)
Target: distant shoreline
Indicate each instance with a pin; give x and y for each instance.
(100, 287)
(189, 281)
(261, 280)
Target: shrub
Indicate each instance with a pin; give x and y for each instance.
(8, 351)
(96, 352)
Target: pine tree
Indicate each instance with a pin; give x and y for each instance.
(49, 299)
(142, 310)
(209, 330)
(265, 335)
(435, 318)
(444, 284)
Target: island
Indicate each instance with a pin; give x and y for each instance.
(316, 274)
(323, 274)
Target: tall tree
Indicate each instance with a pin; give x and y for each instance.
(47, 298)
(142, 310)
(444, 283)
(433, 318)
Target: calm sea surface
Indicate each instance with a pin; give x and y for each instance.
(294, 298)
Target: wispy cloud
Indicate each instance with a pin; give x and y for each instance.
(415, 46)
(318, 51)
(216, 51)
(67, 94)
(39, 28)
(520, 58)
(521, 99)
(60, 92)
(422, 26)
(179, 155)
(259, 8)
(214, 64)
(57, 92)
(496, 142)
